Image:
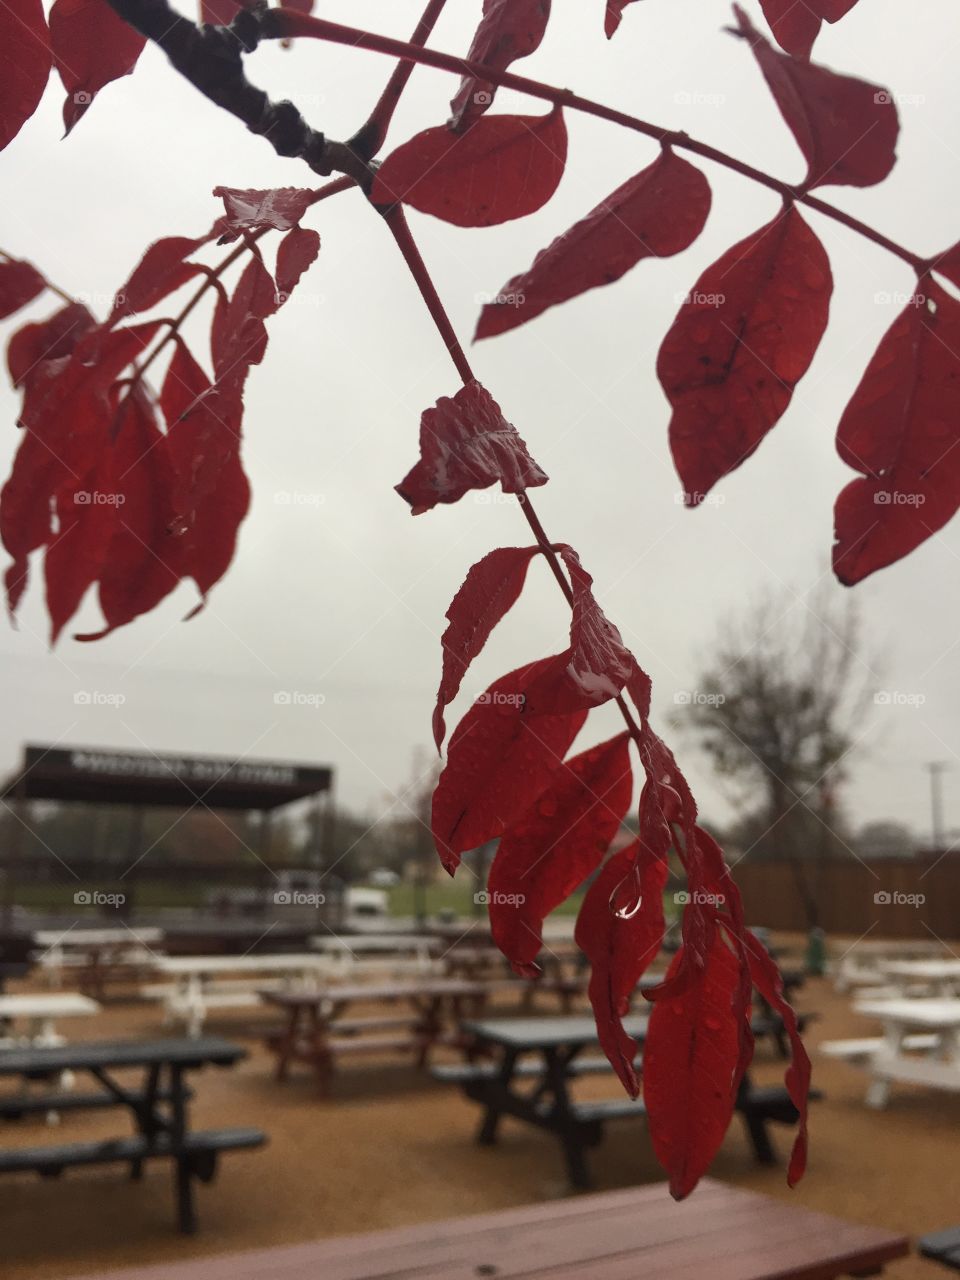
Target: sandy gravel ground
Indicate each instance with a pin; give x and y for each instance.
(392, 1147)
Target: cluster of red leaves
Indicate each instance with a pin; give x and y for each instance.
(509, 777)
(123, 488)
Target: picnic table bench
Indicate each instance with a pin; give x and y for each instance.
(558, 1043)
(158, 1107)
(317, 1032)
(721, 1232)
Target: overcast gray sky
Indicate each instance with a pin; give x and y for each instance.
(337, 591)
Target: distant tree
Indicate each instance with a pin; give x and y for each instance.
(777, 710)
(885, 839)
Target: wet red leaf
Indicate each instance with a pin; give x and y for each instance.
(24, 64)
(620, 929)
(466, 443)
(298, 250)
(655, 214)
(91, 46)
(509, 29)
(900, 432)
(278, 209)
(551, 849)
(489, 592)
(613, 15)
(20, 283)
(502, 167)
(739, 346)
(690, 1062)
(499, 761)
(846, 128)
(160, 272)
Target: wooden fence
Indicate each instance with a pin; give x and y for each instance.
(889, 897)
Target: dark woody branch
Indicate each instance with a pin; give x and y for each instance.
(211, 58)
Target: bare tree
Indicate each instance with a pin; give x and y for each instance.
(778, 710)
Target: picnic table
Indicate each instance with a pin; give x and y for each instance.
(942, 975)
(40, 1010)
(317, 1032)
(201, 983)
(96, 957)
(721, 1232)
(556, 1045)
(158, 1107)
(937, 1065)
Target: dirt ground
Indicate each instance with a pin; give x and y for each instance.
(393, 1147)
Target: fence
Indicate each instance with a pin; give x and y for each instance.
(887, 898)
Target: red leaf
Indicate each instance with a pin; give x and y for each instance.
(140, 550)
(20, 283)
(545, 854)
(499, 760)
(509, 29)
(766, 978)
(900, 432)
(278, 209)
(620, 930)
(846, 128)
(596, 666)
(466, 443)
(690, 1061)
(298, 250)
(502, 167)
(489, 592)
(655, 214)
(47, 340)
(219, 13)
(613, 15)
(238, 337)
(210, 494)
(24, 64)
(734, 354)
(795, 26)
(159, 272)
(91, 46)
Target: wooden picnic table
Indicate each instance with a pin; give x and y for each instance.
(316, 1031)
(158, 1107)
(502, 1086)
(721, 1232)
(96, 957)
(938, 1066)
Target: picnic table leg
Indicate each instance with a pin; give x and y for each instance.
(186, 1213)
(556, 1076)
(487, 1133)
(286, 1043)
(146, 1116)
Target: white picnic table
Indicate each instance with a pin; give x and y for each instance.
(938, 1066)
(64, 949)
(942, 974)
(201, 983)
(40, 1011)
(379, 953)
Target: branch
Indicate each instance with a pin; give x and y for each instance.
(277, 24)
(211, 58)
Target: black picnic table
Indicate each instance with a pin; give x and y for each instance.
(158, 1106)
(558, 1043)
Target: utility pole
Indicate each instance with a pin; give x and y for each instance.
(936, 769)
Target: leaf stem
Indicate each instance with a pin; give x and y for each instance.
(283, 23)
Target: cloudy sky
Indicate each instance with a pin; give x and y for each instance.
(336, 593)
